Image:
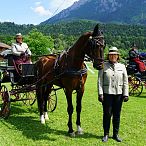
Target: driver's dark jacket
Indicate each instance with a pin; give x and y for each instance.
(133, 53)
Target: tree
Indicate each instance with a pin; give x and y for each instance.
(38, 43)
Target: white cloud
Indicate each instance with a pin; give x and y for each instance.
(54, 7)
(42, 11)
(60, 4)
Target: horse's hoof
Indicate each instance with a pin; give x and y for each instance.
(72, 134)
(46, 116)
(79, 132)
(43, 122)
(42, 119)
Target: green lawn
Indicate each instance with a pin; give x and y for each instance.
(23, 127)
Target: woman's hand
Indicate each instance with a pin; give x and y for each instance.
(22, 54)
(125, 98)
(100, 98)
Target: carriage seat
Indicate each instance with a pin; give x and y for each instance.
(10, 60)
(132, 68)
(25, 76)
(28, 70)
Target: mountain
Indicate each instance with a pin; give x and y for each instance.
(105, 11)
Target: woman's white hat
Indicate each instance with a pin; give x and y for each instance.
(113, 50)
(18, 34)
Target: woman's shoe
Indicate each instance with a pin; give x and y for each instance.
(116, 137)
(105, 138)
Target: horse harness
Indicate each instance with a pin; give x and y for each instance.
(65, 71)
(60, 70)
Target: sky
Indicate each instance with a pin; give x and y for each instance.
(31, 11)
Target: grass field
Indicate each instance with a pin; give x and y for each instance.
(23, 127)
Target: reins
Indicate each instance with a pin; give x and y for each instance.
(30, 85)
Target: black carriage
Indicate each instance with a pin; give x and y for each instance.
(136, 79)
(20, 86)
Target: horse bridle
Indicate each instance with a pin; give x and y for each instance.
(94, 42)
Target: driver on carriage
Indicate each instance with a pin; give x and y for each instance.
(135, 57)
(21, 52)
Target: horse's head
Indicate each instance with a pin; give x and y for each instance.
(96, 48)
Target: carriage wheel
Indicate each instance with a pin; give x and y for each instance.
(52, 100)
(28, 97)
(4, 102)
(135, 86)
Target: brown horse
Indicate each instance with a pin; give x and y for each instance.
(68, 71)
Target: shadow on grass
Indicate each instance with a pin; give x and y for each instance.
(29, 127)
(33, 129)
(88, 135)
(140, 96)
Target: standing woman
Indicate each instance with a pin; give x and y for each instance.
(112, 90)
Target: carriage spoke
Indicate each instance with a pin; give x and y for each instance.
(135, 86)
(52, 101)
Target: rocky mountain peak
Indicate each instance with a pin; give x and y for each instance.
(105, 11)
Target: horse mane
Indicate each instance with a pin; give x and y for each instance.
(78, 45)
(82, 39)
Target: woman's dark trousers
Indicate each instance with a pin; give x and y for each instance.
(112, 105)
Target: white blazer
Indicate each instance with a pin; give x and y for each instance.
(113, 79)
(17, 49)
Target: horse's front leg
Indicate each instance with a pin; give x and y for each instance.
(68, 94)
(46, 98)
(40, 101)
(78, 110)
